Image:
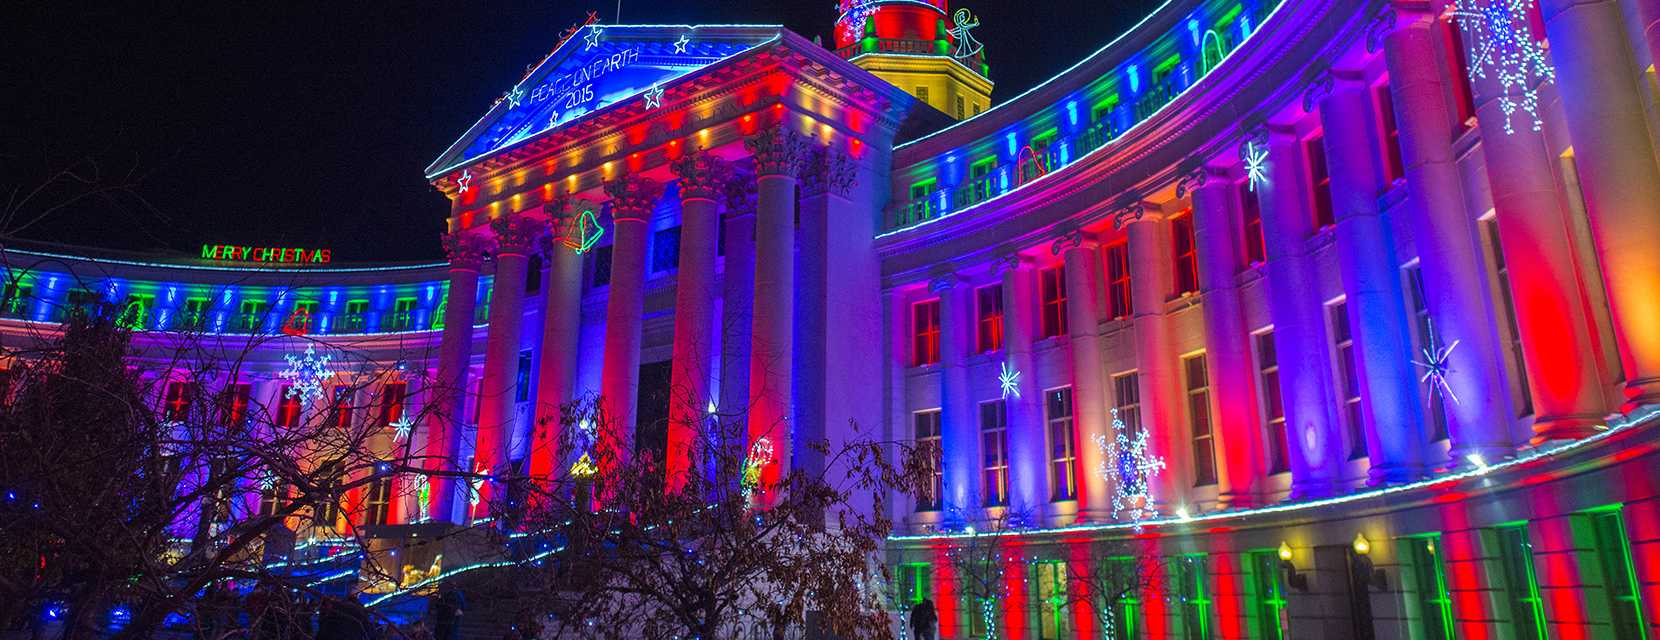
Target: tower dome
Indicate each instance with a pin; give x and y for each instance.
(921, 46)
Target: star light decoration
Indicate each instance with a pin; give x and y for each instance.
(591, 39)
(1436, 366)
(514, 97)
(680, 45)
(465, 182)
(1009, 380)
(1501, 43)
(1128, 462)
(401, 428)
(654, 97)
(1256, 164)
(306, 374)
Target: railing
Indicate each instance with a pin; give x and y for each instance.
(975, 63)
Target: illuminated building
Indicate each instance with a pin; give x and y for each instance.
(1372, 317)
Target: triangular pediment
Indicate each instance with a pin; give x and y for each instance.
(598, 67)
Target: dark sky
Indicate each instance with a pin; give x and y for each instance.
(309, 124)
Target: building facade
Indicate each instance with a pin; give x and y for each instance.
(1375, 279)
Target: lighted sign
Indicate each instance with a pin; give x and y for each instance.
(600, 68)
(272, 255)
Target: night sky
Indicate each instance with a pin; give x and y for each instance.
(309, 124)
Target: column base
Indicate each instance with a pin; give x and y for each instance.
(1459, 458)
(1565, 427)
(1388, 474)
(1640, 392)
(1311, 491)
(1229, 501)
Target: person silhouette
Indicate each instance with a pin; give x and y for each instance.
(923, 620)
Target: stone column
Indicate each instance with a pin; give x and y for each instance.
(516, 236)
(1078, 252)
(1393, 409)
(702, 175)
(561, 333)
(1647, 13)
(1615, 157)
(827, 179)
(737, 306)
(1025, 418)
(632, 201)
(448, 391)
(1453, 273)
(778, 155)
(1314, 437)
(1158, 372)
(1558, 341)
(959, 429)
(1235, 421)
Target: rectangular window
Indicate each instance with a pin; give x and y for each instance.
(1527, 609)
(994, 428)
(250, 317)
(1051, 600)
(194, 317)
(1192, 589)
(1394, 166)
(1625, 604)
(1453, 41)
(521, 381)
(392, 396)
(304, 316)
(1319, 178)
(177, 399)
(1269, 583)
(1426, 335)
(1435, 617)
(403, 315)
(1198, 418)
(601, 268)
(1063, 482)
(961, 112)
(927, 430)
(356, 318)
(1052, 289)
(237, 397)
(83, 303)
(1126, 399)
(925, 332)
(989, 305)
(916, 581)
(1273, 405)
(1507, 303)
(1118, 281)
(288, 408)
(665, 250)
(1348, 378)
(340, 408)
(1186, 256)
(15, 304)
(1250, 215)
(1126, 610)
(379, 500)
(922, 93)
(272, 497)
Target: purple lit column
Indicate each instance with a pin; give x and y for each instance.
(1158, 379)
(1454, 278)
(1235, 421)
(561, 328)
(701, 177)
(778, 154)
(1313, 439)
(516, 236)
(1395, 437)
(1025, 436)
(1089, 396)
(632, 201)
(1614, 153)
(959, 431)
(737, 300)
(448, 392)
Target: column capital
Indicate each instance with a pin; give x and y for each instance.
(1317, 90)
(702, 175)
(1128, 213)
(1011, 262)
(466, 249)
(778, 151)
(739, 194)
(1192, 181)
(632, 197)
(564, 214)
(1380, 26)
(942, 282)
(1072, 240)
(517, 233)
(828, 171)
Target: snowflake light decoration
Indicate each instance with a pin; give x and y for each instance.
(1009, 380)
(855, 14)
(1256, 164)
(306, 374)
(401, 428)
(1436, 366)
(1501, 43)
(1127, 461)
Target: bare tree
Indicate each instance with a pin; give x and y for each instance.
(978, 561)
(1114, 575)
